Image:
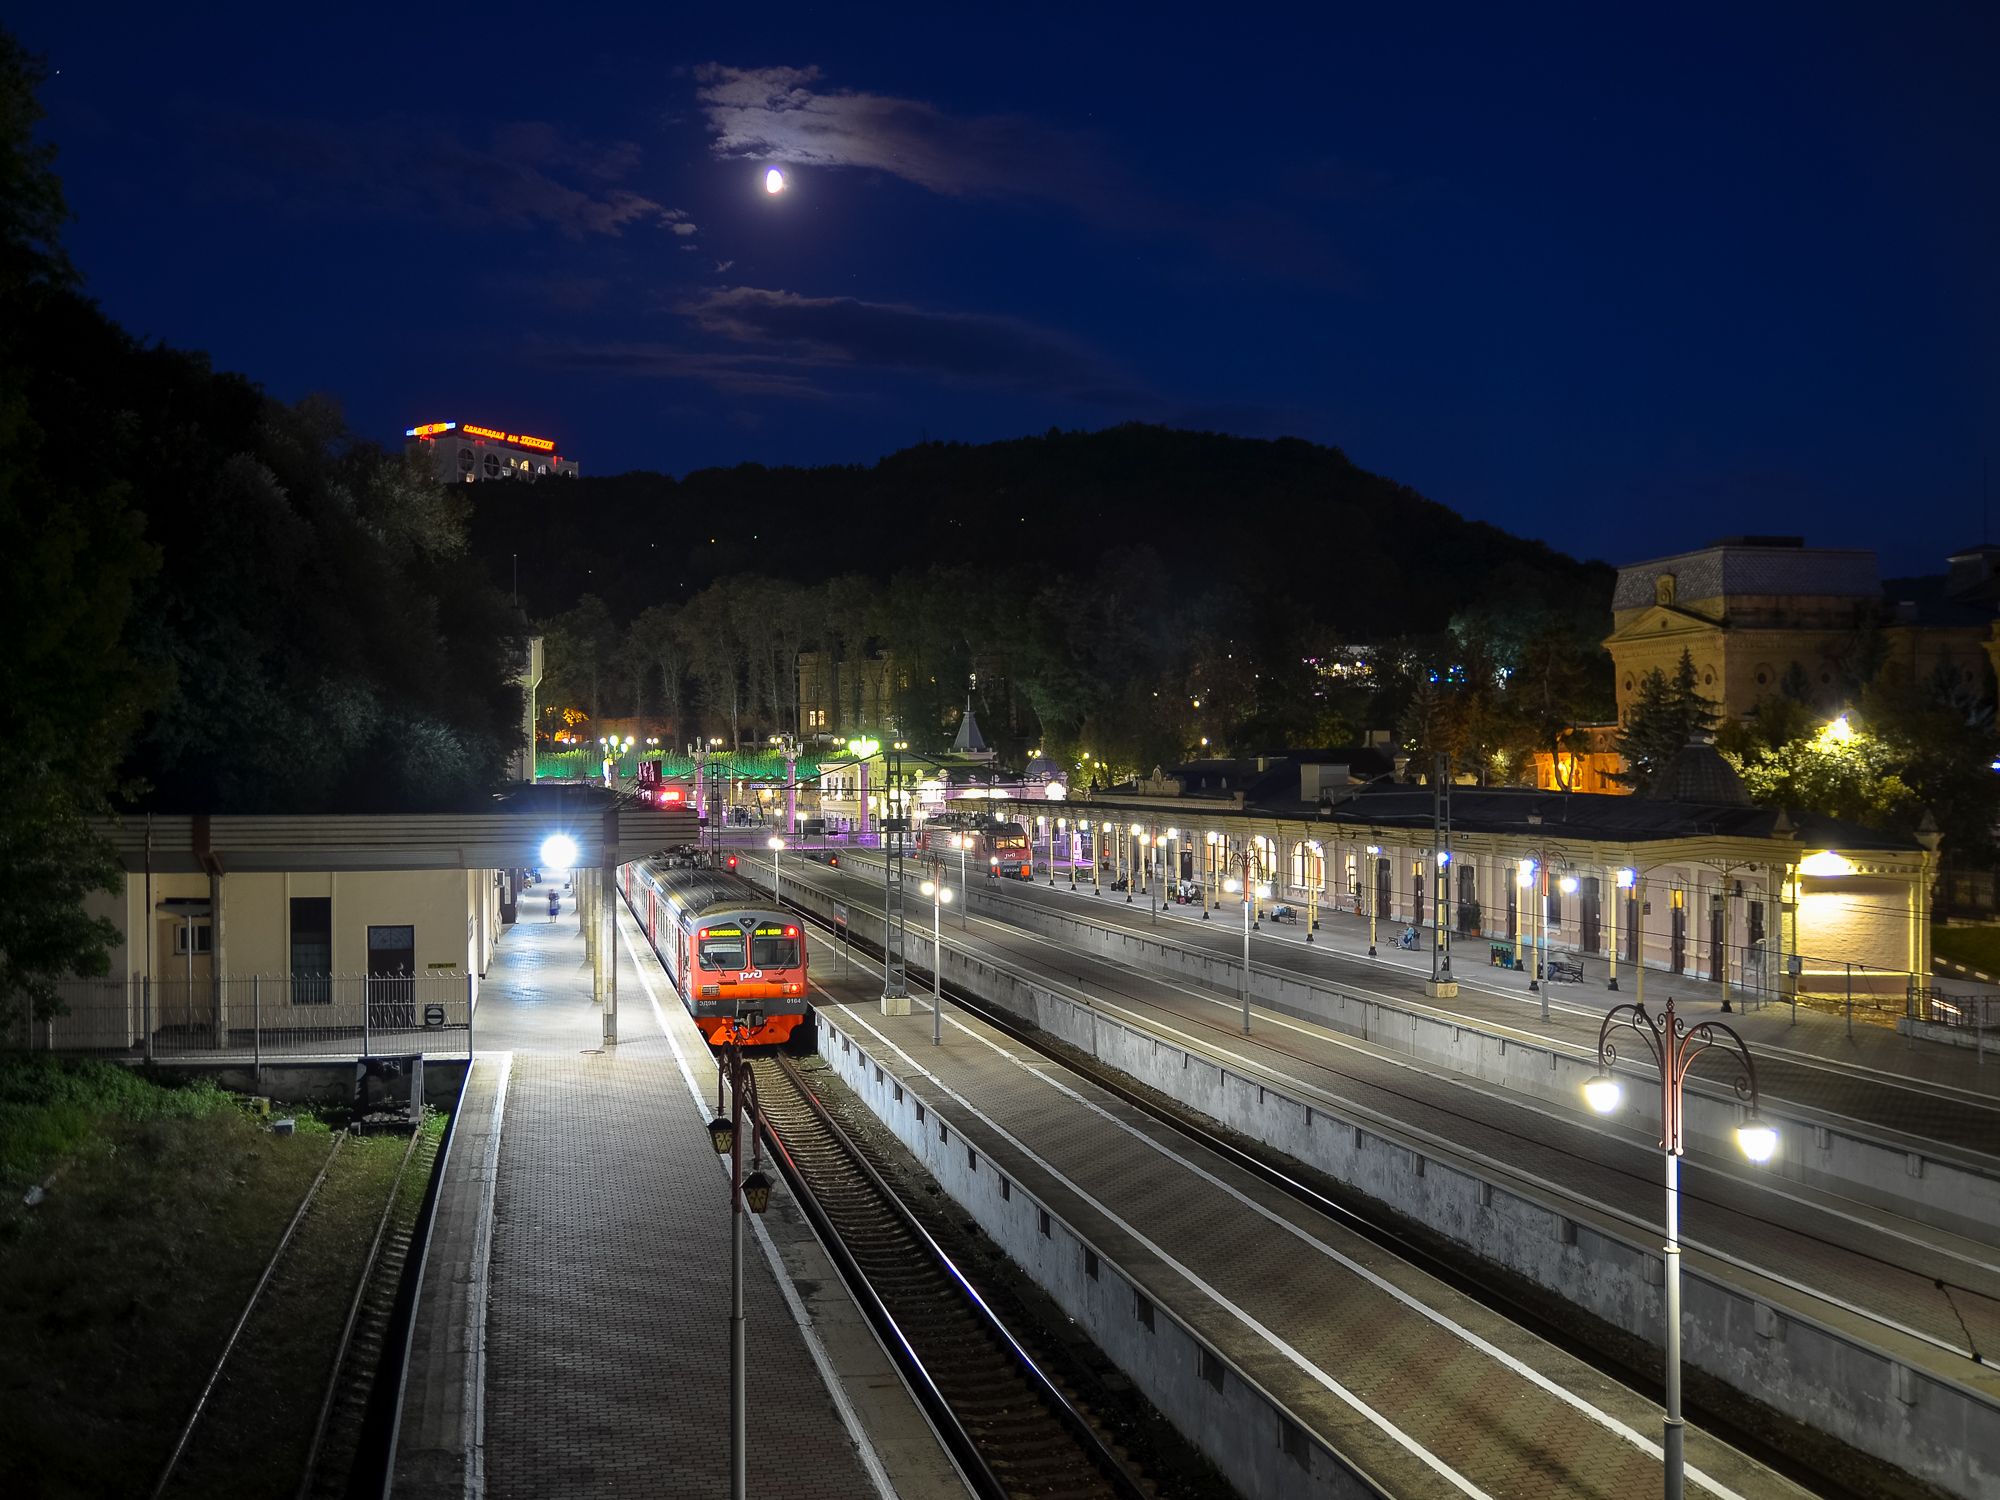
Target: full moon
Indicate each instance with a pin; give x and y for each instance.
(774, 180)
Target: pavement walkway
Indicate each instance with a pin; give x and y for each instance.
(571, 1338)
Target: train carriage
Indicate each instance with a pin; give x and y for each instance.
(998, 847)
(726, 945)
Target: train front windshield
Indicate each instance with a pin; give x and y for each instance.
(775, 947)
(720, 947)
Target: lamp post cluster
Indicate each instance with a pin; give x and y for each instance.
(1674, 1044)
(754, 1191)
(1252, 891)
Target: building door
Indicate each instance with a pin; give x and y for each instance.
(1590, 915)
(1384, 880)
(1417, 896)
(392, 967)
(1513, 911)
(1469, 920)
(184, 992)
(1677, 936)
(1718, 959)
(1631, 933)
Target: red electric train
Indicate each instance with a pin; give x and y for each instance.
(996, 846)
(727, 947)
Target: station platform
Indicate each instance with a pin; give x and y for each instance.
(571, 1335)
(1416, 1386)
(1866, 1071)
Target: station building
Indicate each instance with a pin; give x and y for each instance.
(1762, 615)
(469, 453)
(1692, 881)
(321, 924)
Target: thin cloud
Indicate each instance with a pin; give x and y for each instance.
(846, 331)
(783, 115)
(776, 343)
(522, 175)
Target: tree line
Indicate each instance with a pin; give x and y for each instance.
(1118, 665)
(217, 602)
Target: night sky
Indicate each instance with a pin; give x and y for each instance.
(1625, 278)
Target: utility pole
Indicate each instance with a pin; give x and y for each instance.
(1441, 986)
(895, 836)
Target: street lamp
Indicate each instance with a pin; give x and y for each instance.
(754, 1191)
(940, 895)
(1233, 885)
(1211, 870)
(1674, 1045)
(1374, 889)
(777, 896)
(1132, 854)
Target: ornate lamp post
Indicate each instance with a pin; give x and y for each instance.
(777, 895)
(1674, 1045)
(962, 843)
(1250, 892)
(754, 1191)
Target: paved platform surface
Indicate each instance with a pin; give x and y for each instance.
(602, 1270)
(1866, 1270)
(1424, 1389)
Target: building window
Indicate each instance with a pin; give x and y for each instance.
(201, 932)
(312, 950)
(492, 466)
(465, 460)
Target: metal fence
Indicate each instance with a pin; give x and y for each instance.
(260, 1017)
(1965, 1018)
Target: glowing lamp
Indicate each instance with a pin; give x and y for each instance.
(1626, 878)
(757, 1192)
(944, 896)
(1374, 848)
(1137, 830)
(929, 888)
(993, 860)
(1756, 1140)
(775, 842)
(1568, 885)
(558, 852)
(1444, 856)
(1603, 1093)
(1232, 885)
(1826, 863)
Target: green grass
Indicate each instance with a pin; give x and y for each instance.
(119, 1290)
(1975, 947)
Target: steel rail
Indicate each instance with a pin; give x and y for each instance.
(243, 1319)
(1459, 1278)
(964, 1446)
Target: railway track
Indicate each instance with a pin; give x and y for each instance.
(1627, 1366)
(1015, 1428)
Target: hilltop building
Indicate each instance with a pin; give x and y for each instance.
(465, 452)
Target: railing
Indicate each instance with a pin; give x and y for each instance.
(258, 1017)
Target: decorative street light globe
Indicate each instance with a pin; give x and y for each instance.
(1603, 1093)
(1756, 1139)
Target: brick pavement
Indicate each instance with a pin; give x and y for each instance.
(606, 1329)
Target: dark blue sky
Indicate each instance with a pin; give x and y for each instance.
(1624, 278)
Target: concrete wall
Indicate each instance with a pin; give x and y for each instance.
(1818, 1150)
(335, 1081)
(1242, 1428)
(1886, 1396)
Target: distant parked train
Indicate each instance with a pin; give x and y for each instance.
(1000, 848)
(726, 945)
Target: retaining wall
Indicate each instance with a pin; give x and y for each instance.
(1886, 1397)
(1816, 1150)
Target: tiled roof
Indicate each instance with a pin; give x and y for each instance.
(1715, 571)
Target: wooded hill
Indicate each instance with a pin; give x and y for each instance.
(1293, 524)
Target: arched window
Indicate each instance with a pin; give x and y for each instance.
(1265, 852)
(1309, 865)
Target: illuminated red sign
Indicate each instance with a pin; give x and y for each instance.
(430, 429)
(519, 440)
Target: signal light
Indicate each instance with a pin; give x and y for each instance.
(834, 860)
(732, 861)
